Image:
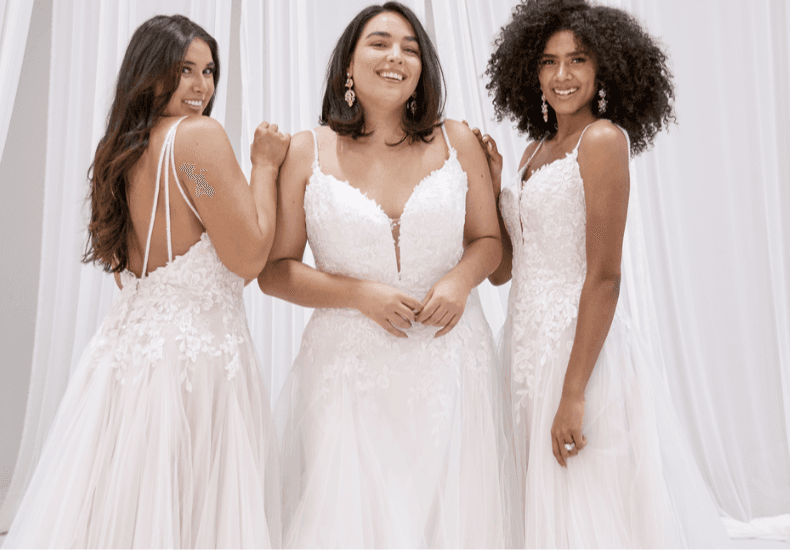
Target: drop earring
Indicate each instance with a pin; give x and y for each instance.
(544, 108)
(602, 101)
(350, 95)
(411, 105)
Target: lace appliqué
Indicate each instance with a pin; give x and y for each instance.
(547, 218)
(194, 299)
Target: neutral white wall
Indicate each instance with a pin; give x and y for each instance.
(21, 210)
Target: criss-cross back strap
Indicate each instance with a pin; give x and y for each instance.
(166, 158)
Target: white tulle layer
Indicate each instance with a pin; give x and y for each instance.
(144, 462)
(635, 484)
(394, 442)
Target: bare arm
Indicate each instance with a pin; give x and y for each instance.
(603, 162)
(444, 305)
(286, 277)
(239, 218)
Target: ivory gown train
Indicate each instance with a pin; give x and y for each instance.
(635, 484)
(392, 442)
(164, 437)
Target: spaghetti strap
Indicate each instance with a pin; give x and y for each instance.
(627, 139)
(447, 140)
(315, 147)
(532, 156)
(167, 150)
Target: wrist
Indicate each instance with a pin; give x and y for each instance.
(573, 392)
(265, 169)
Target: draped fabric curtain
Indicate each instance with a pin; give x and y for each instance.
(14, 24)
(89, 39)
(709, 213)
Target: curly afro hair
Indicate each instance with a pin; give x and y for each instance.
(630, 67)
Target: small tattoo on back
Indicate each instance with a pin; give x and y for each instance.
(203, 188)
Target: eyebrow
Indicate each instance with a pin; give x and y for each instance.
(211, 64)
(388, 35)
(575, 52)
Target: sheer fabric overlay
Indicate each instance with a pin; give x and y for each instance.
(386, 441)
(164, 437)
(635, 484)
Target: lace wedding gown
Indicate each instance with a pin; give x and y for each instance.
(392, 442)
(635, 484)
(164, 437)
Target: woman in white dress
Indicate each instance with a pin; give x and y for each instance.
(600, 454)
(164, 437)
(392, 415)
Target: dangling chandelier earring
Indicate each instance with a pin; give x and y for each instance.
(544, 108)
(411, 105)
(350, 95)
(602, 101)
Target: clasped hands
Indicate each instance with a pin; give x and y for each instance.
(393, 309)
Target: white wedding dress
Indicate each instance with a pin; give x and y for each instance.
(392, 442)
(635, 484)
(164, 437)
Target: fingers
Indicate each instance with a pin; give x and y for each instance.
(579, 441)
(413, 304)
(555, 447)
(399, 321)
(386, 325)
(449, 326)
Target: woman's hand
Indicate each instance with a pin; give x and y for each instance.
(269, 146)
(444, 304)
(567, 429)
(492, 156)
(387, 306)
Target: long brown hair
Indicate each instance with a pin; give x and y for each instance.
(153, 59)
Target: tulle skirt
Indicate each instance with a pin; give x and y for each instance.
(393, 442)
(635, 484)
(156, 459)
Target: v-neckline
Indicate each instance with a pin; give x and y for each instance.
(379, 208)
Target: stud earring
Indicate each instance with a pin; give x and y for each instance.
(544, 108)
(411, 104)
(602, 101)
(350, 95)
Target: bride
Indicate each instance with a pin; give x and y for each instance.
(164, 437)
(392, 415)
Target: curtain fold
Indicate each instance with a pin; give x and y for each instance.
(14, 26)
(89, 39)
(709, 213)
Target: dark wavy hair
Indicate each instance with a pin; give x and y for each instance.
(153, 59)
(350, 121)
(631, 67)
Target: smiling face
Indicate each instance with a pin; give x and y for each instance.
(567, 75)
(196, 85)
(386, 63)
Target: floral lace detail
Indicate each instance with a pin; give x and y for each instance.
(547, 218)
(194, 304)
(350, 234)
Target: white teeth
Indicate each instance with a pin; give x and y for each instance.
(193, 103)
(565, 92)
(394, 76)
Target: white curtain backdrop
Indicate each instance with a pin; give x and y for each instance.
(89, 38)
(709, 215)
(14, 24)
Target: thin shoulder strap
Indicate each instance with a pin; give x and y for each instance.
(575, 149)
(315, 147)
(172, 155)
(446, 139)
(535, 152)
(627, 139)
(167, 147)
